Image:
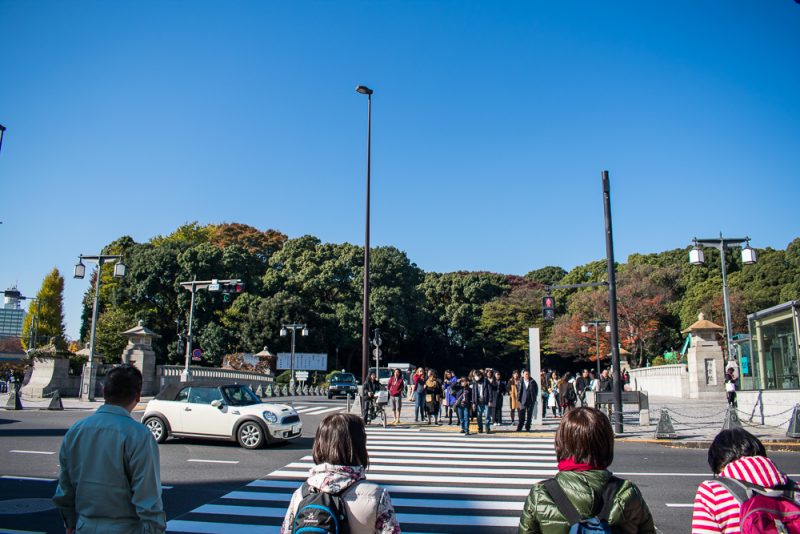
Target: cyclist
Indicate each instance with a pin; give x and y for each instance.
(371, 389)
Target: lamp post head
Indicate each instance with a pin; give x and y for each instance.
(364, 90)
(119, 269)
(283, 332)
(696, 256)
(304, 331)
(748, 254)
(584, 328)
(80, 270)
(608, 328)
(2, 129)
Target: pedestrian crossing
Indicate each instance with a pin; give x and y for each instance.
(438, 482)
(318, 409)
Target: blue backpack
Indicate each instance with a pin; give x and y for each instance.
(577, 524)
(320, 512)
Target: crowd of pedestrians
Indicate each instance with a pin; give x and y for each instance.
(110, 469)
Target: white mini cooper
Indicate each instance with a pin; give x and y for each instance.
(231, 412)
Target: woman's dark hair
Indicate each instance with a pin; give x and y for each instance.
(341, 440)
(730, 445)
(122, 385)
(585, 435)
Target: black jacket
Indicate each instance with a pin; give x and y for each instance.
(527, 395)
(371, 387)
(480, 392)
(496, 388)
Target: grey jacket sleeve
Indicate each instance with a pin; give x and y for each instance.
(64, 497)
(145, 474)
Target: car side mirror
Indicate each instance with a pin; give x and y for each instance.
(217, 404)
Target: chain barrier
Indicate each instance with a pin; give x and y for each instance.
(758, 414)
(716, 414)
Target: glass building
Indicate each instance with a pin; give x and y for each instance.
(772, 362)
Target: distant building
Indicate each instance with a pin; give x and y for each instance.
(11, 314)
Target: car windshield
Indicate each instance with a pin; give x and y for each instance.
(240, 395)
(343, 377)
(385, 372)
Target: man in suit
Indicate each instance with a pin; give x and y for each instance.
(528, 392)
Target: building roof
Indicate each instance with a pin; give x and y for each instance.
(774, 309)
(139, 330)
(702, 324)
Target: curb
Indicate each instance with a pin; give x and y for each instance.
(770, 445)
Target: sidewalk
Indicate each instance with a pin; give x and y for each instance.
(696, 422)
(70, 403)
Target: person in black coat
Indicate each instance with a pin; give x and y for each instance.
(527, 395)
(498, 391)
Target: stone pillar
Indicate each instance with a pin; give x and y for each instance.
(50, 372)
(705, 360)
(139, 353)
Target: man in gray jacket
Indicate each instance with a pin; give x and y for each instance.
(110, 480)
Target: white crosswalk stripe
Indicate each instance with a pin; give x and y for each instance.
(439, 482)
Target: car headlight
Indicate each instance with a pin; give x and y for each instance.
(270, 417)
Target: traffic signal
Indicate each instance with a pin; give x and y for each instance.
(548, 308)
(228, 289)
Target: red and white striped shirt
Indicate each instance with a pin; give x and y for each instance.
(716, 509)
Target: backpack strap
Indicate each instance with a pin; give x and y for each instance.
(738, 489)
(563, 503)
(612, 487)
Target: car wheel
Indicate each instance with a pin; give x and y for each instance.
(250, 435)
(330, 396)
(157, 428)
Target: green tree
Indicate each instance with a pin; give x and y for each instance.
(108, 341)
(549, 276)
(50, 310)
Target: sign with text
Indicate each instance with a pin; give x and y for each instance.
(307, 361)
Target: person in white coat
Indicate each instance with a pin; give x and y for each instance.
(341, 458)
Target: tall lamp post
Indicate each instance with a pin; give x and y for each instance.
(596, 324)
(294, 327)
(696, 257)
(2, 131)
(364, 90)
(87, 393)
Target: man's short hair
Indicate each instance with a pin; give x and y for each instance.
(122, 385)
(586, 436)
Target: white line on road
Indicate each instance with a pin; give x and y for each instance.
(679, 505)
(32, 479)
(392, 488)
(383, 477)
(449, 461)
(229, 509)
(214, 461)
(324, 410)
(457, 453)
(32, 452)
(453, 456)
(201, 527)
(454, 470)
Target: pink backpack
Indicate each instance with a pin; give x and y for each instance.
(764, 510)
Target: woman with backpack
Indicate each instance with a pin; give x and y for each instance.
(583, 485)
(745, 483)
(336, 492)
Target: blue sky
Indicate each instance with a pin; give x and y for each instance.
(492, 122)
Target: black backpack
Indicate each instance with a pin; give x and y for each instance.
(320, 511)
(578, 525)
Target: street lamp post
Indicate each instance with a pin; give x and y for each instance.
(696, 257)
(2, 131)
(364, 90)
(294, 327)
(87, 393)
(596, 324)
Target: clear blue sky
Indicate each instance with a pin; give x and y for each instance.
(492, 123)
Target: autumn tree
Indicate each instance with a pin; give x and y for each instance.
(49, 308)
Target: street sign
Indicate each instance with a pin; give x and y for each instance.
(301, 376)
(377, 353)
(197, 354)
(213, 287)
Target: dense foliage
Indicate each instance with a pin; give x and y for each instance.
(48, 309)
(459, 319)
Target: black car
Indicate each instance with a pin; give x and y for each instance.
(342, 384)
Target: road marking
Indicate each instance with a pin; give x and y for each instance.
(707, 475)
(453, 456)
(32, 479)
(679, 505)
(201, 527)
(166, 487)
(32, 452)
(214, 461)
(324, 410)
(384, 477)
(392, 488)
(22, 532)
(454, 470)
(539, 462)
(229, 509)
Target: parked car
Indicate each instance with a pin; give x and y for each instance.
(228, 412)
(342, 384)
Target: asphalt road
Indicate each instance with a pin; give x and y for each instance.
(197, 472)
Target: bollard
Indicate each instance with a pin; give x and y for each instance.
(731, 419)
(14, 402)
(665, 430)
(356, 406)
(55, 401)
(260, 392)
(644, 409)
(794, 423)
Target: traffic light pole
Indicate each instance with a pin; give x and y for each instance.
(193, 286)
(612, 307)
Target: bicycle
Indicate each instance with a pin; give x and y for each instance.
(376, 409)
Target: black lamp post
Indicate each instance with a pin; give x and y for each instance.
(2, 131)
(364, 90)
